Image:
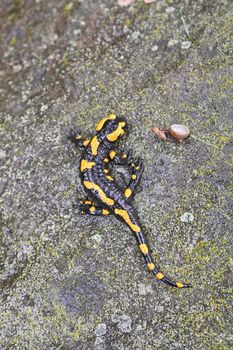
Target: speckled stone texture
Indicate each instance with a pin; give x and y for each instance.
(71, 282)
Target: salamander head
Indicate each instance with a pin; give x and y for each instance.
(112, 127)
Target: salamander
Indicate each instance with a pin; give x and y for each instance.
(104, 196)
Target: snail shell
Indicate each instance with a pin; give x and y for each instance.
(159, 133)
(179, 132)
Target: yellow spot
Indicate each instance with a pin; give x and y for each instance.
(105, 212)
(151, 266)
(81, 202)
(86, 143)
(92, 209)
(132, 165)
(128, 192)
(87, 202)
(144, 249)
(125, 216)
(86, 165)
(106, 171)
(112, 154)
(102, 195)
(137, 168)
(134, 176)
(106, 160)
(124, 156)
(94, 145)
(160, 276)
(179, 285)
(117, 133)
(109, 178)
(101, 123)
(78, 137)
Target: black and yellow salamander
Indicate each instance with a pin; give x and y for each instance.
(101, 188)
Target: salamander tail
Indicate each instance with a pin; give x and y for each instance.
(170, 282)
(159, 275)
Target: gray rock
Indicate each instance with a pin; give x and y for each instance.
(101, 329)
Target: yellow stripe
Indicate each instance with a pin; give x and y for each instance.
(151, 266)
(112, 154)
(125, 216)
(109, 178)
(101, 123)
(179, 284)
(86, 143)
(102, 195)
(160, 276)
(118, 132)
(94, 145)
(128, 192)
(144, 249)
(86, 165)
(105, 212)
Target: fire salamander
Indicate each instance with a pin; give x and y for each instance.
(101, 188)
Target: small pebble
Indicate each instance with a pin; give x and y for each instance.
(170, 9)
(154, 48)
(135, 35)
(187, 217)
(43, 108)
(172, 42)
(186, 44)
(17, 68)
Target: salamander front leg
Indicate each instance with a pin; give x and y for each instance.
(87, 207)
(77, 139)
(123, 158)
(136, 169)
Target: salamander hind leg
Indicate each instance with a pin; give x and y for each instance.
(87, 207)
(136, 169)
(122, 158)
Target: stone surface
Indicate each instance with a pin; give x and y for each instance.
(64, 65)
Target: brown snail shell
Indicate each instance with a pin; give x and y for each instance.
(179, 132)
(159, 133)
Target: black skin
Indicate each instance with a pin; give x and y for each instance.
(99, 151)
